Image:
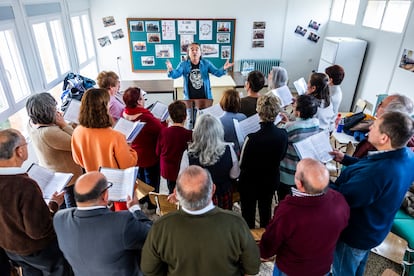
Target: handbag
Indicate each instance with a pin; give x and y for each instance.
(353, 120)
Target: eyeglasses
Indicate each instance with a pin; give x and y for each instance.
(110, 184)
(28, 140)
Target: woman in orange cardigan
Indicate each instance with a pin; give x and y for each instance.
(94, 143)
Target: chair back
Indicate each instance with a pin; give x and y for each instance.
(163, 205)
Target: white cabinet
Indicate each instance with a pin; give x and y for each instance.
(349, 53)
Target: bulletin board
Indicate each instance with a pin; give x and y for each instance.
(154, 40)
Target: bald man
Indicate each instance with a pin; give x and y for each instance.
(306, 225)
(95, 240)
(26, 225)
(199, 239)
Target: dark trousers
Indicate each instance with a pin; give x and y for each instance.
(151, 176)
(4, 263)
(48, 261)
(283, 190)
(248, 208)
(171, 186)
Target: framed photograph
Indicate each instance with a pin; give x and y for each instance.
(313, 37)
(300, 30)
(258, 34)
(147, 61)
(152, 26)
(223, 27)
(223, 38)
(104, 41)
(164, 51)
(136, 26)
(210, 50)
(118, 34)
(259, 25)
(225, 52)
(314, 25)
(258, 44)
(153, 38)
(185, 40)
(139, 46)
(108, 21)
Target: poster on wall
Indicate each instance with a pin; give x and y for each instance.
(168, 29)
(187, 27)
(205, 30)
(407, 60)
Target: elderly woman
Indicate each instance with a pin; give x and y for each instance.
(146, 142)
(94, 143)
(277, 80)
(51, 137)
(230, 103)
(259, 163)
(209, 151)
(110, 81)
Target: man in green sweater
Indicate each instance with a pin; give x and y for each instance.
(200, 238)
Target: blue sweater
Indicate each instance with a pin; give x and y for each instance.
(206, 67)
(374, 188)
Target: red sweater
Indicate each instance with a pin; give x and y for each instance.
(304, 231)
(146, 141)
(172, 142)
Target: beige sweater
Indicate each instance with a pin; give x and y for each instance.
(53, 149)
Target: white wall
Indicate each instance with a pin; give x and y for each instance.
(299, 55)
(382, 53)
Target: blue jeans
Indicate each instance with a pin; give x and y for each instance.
(151, 176)
(349, 260)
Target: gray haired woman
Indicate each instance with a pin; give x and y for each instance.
(209, 151)
(51, 137)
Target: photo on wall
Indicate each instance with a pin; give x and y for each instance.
(407, 60)
(164, 51)
(153, 38)
(259, 25)
(139, 46)
(223, 38)
(313, 37)
(225, 52)
(118, 34)
(223, 27)
(147, 61)
(104, 41)
(300, 30)
(210, 50)
(314, 25)
(136, 26)
(185, 40)
(108, 21)
(258, 44)
(152, 26)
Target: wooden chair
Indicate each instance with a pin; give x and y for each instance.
(395, 249)
(163, 205)
(257, 234)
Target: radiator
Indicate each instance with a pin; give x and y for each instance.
(262, 65)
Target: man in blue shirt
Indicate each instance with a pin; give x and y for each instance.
(374, 188)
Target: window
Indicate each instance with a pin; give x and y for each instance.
(51, 46)
(345, 11)
(386, 15)
(84, 44)
(14, 87)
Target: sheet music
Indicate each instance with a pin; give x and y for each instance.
(284, 94)
(316, 146)
(128, 128)
(160, 111)
(250, 125)
(48, 180)
(214, 110)
(72, 112)
(123, 182)
(301, 86)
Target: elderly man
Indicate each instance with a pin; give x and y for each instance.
(306, 226)
(374, 188)
(394, 102)
(26, 226)
(95, 240)
(199, 239)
